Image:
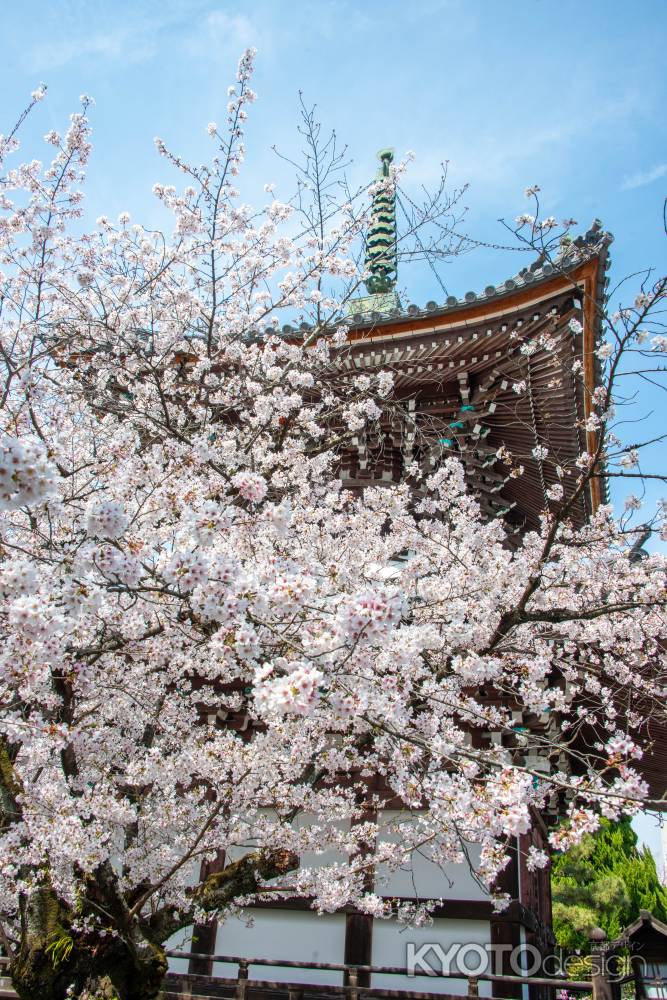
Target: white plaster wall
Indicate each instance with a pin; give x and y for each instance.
(284, 934)
(422, 878)
(390, 946)
(277, 932)
(234, 852)
(305, 936)
(182, 941)
(179, 942)
(309, 859)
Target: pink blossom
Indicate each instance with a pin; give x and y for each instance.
(106, 519)
(251, 486)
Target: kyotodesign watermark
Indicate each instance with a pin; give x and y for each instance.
(470, 958)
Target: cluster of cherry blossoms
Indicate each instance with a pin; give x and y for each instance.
(205, 635)
(26, 476)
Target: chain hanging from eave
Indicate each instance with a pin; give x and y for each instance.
(428, 257)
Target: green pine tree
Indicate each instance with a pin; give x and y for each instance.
(603, 882)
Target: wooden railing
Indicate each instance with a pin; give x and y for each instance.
(193, 985)
(188, 985)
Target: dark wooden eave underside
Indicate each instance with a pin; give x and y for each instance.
(461, 368)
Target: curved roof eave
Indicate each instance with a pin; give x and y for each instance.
(595, 246)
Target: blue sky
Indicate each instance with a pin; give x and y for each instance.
(569, 94)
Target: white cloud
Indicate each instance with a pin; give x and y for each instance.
(492, 156)
(70, 32)
(127, 45)
(228, 33)
(643, 177)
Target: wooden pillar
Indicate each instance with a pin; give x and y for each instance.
(359, 944)
(241, 992)
(602, 988)
(359, 926)
(506, 932)
(535, 896)
(204, 935)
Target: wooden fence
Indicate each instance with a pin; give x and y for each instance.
(187, 986)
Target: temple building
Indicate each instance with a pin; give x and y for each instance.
(456, 366)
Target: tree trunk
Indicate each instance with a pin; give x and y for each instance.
(90, 968)
(117, 956)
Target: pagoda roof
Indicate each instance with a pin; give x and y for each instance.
(594, 243)
(457, 367)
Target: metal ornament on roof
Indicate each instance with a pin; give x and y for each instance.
(381, 259)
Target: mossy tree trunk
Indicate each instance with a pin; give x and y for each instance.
(92, 971)
(55, 961)
(120, 953)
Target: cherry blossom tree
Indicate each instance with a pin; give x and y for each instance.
(208, 644)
